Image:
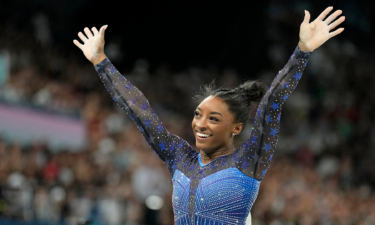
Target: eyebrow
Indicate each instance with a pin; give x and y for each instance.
(213, 112)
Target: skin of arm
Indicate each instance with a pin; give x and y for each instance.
(98, 59)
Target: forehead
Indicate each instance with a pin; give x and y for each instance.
(213, 103)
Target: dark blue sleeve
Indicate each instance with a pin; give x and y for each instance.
(254, 156)
(169, 147)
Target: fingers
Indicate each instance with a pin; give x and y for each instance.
(324, 13)
(333, 16)
(95, 31)
(336, 23)
(336, 32)
(79, 45)
(82, 37)
(88, 32)
(307, 17)
(102, 29)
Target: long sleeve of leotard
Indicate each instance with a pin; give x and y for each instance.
(255, 155)
(169, 147)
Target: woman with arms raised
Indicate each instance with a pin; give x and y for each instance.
(216, 184)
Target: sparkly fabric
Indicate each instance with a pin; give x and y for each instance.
(224, 197)
(224, 190)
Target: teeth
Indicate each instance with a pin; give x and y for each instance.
(202, 135)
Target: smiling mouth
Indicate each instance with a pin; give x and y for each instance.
(201, 135)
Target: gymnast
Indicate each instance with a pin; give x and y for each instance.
(216, 183)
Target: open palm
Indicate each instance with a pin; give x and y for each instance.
(93, 44)
(313, 35)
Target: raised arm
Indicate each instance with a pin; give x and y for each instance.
(167, 146)
(257, 152)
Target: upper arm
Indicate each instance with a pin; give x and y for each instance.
(256, 152)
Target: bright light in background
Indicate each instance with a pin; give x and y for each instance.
(16, 180)
(154, 202)
(58, 194)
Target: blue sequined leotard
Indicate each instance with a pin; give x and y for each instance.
(224, 190)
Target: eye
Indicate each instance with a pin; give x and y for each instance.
(196, 113)
(213, 118)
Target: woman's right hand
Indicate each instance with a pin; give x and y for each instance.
(93, 44)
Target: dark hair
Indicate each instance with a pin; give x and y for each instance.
(242, 100)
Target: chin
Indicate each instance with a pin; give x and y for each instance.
(203, 147)
(200, 146)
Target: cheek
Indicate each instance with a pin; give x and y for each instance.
(219, 130)
(225, 131)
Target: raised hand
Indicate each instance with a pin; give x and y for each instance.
(93, 44)
(313, 35)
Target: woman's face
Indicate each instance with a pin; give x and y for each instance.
(213, 125)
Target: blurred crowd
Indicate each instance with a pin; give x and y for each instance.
(323, 172)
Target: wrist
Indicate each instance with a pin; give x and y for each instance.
(98, 58)
(303, 47)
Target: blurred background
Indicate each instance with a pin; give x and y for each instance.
(69, 155)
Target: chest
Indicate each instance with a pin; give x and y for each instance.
(225, 196)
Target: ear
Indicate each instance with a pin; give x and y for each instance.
(237, 128)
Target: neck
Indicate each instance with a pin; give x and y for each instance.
(208, 157)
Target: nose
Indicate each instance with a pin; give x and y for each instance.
(201, 124)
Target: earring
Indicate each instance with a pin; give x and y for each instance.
(233, 134)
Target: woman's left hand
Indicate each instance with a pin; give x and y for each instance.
(313, 35)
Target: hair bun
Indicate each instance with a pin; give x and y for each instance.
(253, 90)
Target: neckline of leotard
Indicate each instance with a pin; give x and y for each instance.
(203, 165)
(200, 161)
